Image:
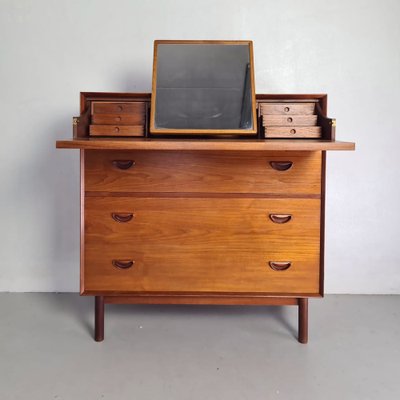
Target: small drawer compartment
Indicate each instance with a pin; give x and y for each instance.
(116, 130)
(290, 120)
(295, 132)
(118, 119)
(284, 173)
(287, 108)
(132, 107)
(186, 244)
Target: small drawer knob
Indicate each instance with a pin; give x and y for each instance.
(123, 164)
(122, 217)
(117, 119)
(116, 129)
(120, 108)
(293, 131)
(123, 264)
(281, 165)
(280, 265)
(280, 218)
(287, 109)
(290, 120)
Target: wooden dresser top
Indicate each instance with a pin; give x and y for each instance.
(203, 145)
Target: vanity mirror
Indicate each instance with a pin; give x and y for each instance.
(203, 87)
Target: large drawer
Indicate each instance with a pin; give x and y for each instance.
(284, 173)
(201, 245)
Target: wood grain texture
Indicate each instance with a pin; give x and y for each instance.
(289, 120)
(205, 246)
(132, 107)
(328, 125)
(82, 220)
(203, 195)
(209, 299)
(314, 132)
(186, 244)
(225, 172)
(303, 320)
(99, 318)
(118, 119)
(116, 130)
(287, 108)
(322, 228)
(203, 145)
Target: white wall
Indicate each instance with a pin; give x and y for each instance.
(52, 50)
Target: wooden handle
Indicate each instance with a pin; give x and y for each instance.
(123, 164)
(119, 217)
(280, 218)
(123, 264)
(281, 165)
(280, 265)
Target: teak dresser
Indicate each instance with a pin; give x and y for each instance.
(233, 221)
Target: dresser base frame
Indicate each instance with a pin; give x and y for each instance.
(302, 303)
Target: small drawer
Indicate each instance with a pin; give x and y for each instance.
(104, 107)
(116, 130)
(293, 132)
(287, 108)
(118, 119)
(289, 120)
(202, 245)
(282, 173)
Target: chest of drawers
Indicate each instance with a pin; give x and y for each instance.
(196, 221)
(201, 222)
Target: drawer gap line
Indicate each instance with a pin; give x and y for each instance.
(203, 195)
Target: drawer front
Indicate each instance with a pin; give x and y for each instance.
(116, 130)
(104, 107)
(287, 108)
(283, 173)
(118, 119)
(294, 132)
(290, 120)
(201, 245)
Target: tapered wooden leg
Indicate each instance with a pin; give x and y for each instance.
(303, 320)
(99, 318)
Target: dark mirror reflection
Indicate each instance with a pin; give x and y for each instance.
(203, 86)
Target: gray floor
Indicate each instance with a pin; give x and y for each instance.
(192, 352)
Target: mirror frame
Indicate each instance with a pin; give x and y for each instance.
(179, 131)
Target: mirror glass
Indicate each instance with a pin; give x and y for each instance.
(201, 87)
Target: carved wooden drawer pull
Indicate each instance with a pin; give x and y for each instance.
(280, 218)
(123, 264)
(281, 165)
(123, 164)
(280, 265)
(122, 217)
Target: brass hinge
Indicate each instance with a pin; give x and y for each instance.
(333, 122)
(75, 120)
